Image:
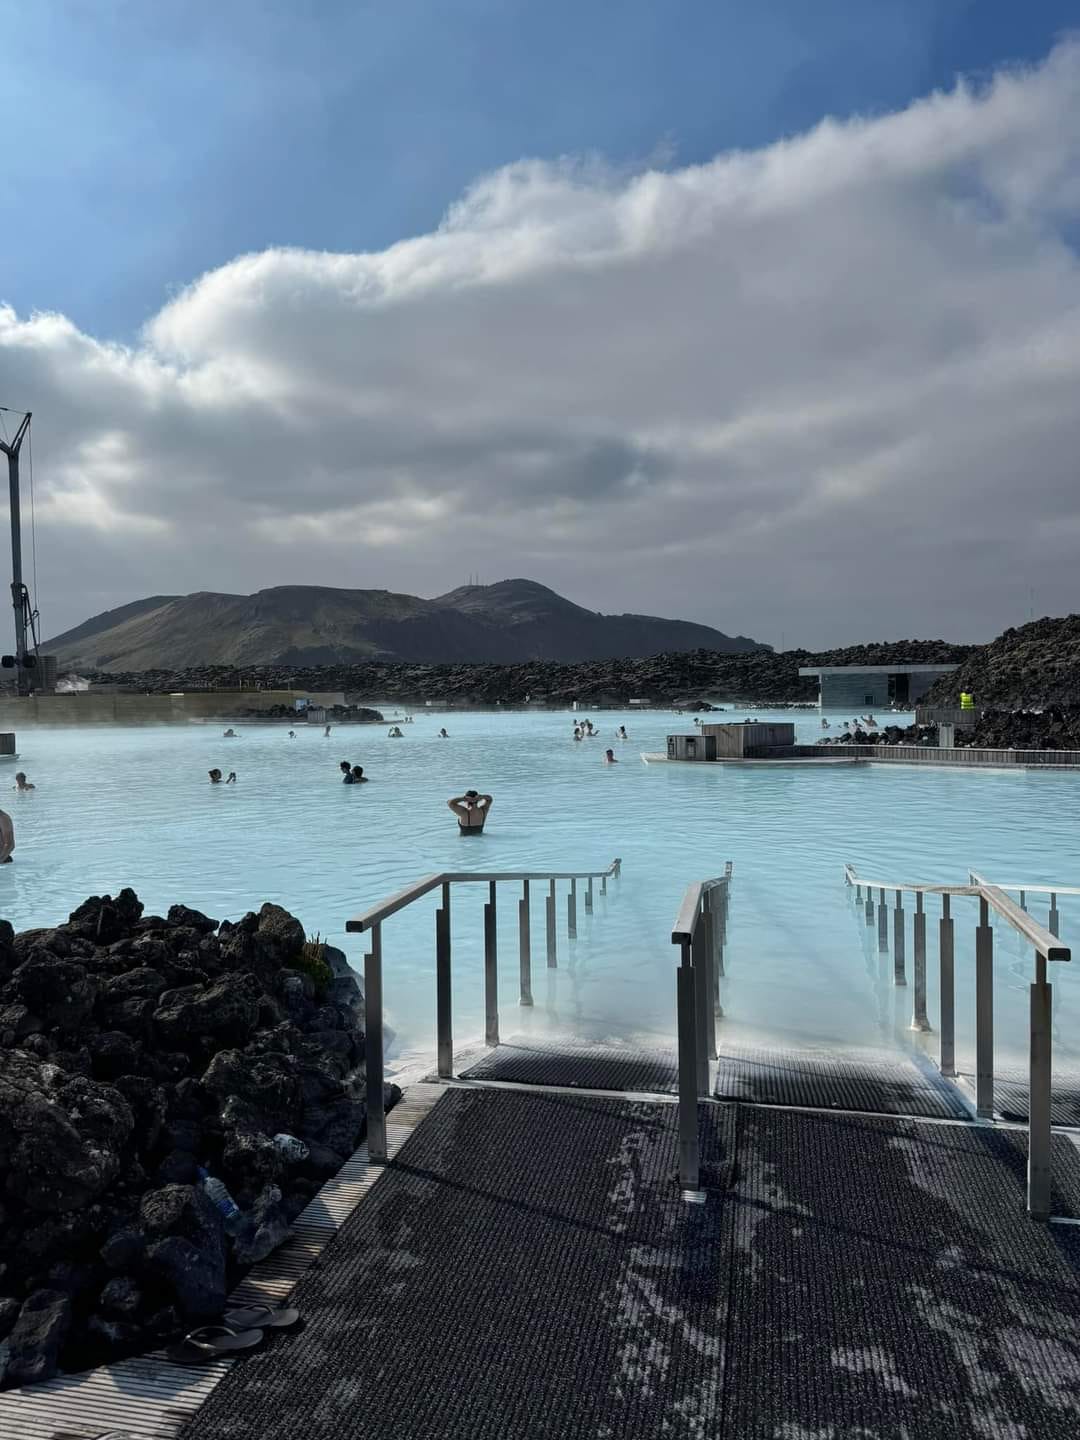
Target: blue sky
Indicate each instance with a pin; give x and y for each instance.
(147, 141)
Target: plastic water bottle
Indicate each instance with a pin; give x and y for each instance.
(219, 1197)
(290, 1149)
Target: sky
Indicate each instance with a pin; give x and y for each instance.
(766, 315)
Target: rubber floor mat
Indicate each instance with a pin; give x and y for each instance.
(590, 1067)
(526, 1267)
(887, 1283)
(876, 1081)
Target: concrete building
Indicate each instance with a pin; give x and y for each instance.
(869, 687)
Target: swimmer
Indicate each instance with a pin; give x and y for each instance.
(443, 735)
(230, 735)
(345, 766)
(215, 776)
(609, 757)
(577, 733)
(7, 838)
(621, 734)
(471, 810)
(21, 782)
(292, 734)
(824, 724)
(326, 733)
(358, 776)
(395, 733)
(232, 778)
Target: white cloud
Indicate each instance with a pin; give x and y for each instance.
(826, 388)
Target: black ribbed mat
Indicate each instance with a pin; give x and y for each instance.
(1011, 1095)
(525, 1268)
(886, 1283)
(588, 1067)
(882, 1082)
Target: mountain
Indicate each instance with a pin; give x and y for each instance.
(509, 622)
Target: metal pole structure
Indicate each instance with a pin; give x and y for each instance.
(524, 948)
(1053, 923)
(571, 911)
(947, 991)
(18, 590)
(588, 897)
(689, 1162)
(552, 958)
(442, 987)
(703, 1010)
(899, 974)
(1039, 1082)
(373, 1048)
(711, 1000)
(919, 1018)
(869, 911)
(984, 1013)
(491, 970)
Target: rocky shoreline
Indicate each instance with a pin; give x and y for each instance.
(173, 1092)
(686, 680)
(1056, 727)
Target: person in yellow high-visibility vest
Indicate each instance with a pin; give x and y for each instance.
(967, 702)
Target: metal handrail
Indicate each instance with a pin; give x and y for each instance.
(1045, 941)
(700, 931)
(359, 923)
(371, 922)
(1047, 948)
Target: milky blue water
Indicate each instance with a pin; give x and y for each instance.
(134, 807)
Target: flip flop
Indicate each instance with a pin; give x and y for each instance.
(209, 1342)
(263, 1317)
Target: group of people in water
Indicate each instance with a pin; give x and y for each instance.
(863, 720)
(586, 730)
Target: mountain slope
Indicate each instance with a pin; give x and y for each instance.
(512, 621)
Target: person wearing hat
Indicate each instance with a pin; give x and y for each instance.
(471, 810)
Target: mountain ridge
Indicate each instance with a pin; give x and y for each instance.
(510, 621)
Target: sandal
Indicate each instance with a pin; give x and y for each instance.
(263, 1317)
(209, 1342)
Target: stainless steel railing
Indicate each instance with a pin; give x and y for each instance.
(700, 931)
(371, 922)
(1047, 948)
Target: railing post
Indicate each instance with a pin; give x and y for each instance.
(1039, 1083)
(524, 947)
(603, 884)
(919, 1018)
(1023, 900)
(984, 1013)
(719, 936)
(491, 969)
(899, 973)
(689, 1161)
(552, 958)
(373, 1048)
(948, 991)
(1053, 923)
(571, 911)
(869, 908)
(882, 926)
(703, 956)
(588, 897)
(442, 986)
